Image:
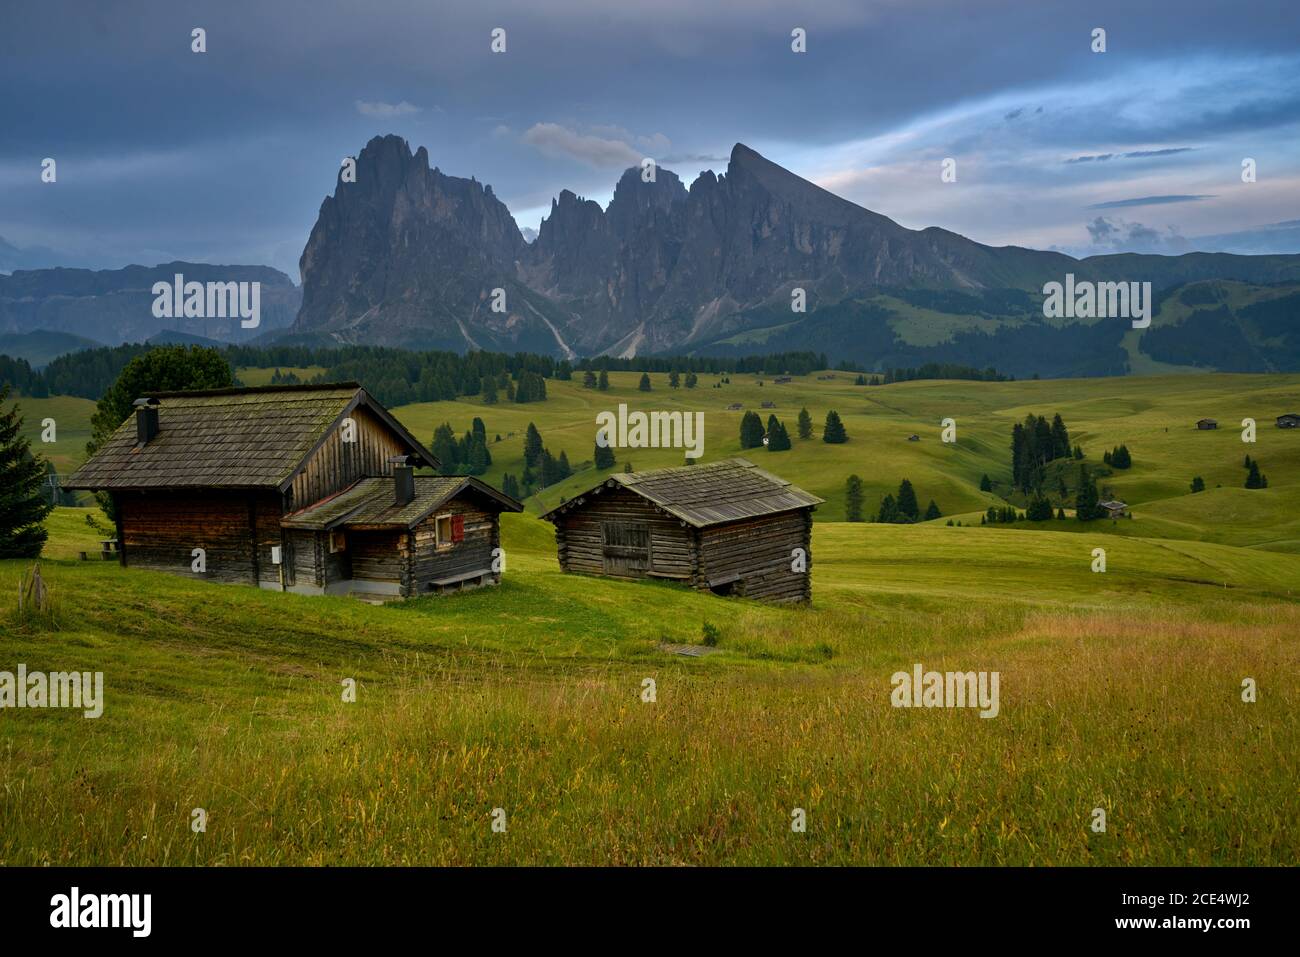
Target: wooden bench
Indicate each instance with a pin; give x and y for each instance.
(108, 549)
(442, 584)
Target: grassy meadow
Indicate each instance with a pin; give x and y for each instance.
(1119, 691)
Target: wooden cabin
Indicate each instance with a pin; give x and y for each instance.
(1291, 420)
(1207, 424)
(1113, 509)
(728, 527)
(307, 489)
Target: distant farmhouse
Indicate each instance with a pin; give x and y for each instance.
(307, 489)
(727, 526)
(735, 407)
(1113, 509)
(782, 379)
(1290, 420)
(1205, 424)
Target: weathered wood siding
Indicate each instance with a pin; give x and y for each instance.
(380, 556)
(599, 538)
(160, 529)
(761, 552)
(337, 464)
(302, 561)
(473, 553)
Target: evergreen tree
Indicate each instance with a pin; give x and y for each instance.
(1060, 514)
(932, 512)
(1040, 510)
(805, 424)
(674, 380)
(1078, 453)
(489, 390)
(532, 446)
(1060, 438)
(986, 484)
(604, 457)
(691, 380)
(23, 505)
(510, 485)
(602, 383)
(834, 429)
(853, 499)
(589, 380)
(1085, 503)
(751, 430)
(778, 439)
(1121, 458)
(1255, 479)
(1198, 484)
(1246, 462)
(644, 384)
(562, 469)
(446, 449)
(907, 505)
(888, 510)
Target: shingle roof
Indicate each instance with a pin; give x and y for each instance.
(370, 502)
(228, 438)
(704, 495)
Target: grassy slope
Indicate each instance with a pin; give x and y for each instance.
(1154, 416)
(1118, 691)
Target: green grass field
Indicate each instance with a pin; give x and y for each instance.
(1119, 691)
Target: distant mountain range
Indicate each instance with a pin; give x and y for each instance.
(112, 306)
(409, 256)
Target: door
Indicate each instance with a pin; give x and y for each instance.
(626, 548)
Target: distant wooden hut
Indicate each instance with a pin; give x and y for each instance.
(782, 379)
(726, 526)
(914, 438)
(1206, 424)
(769, 405)
(1290, 420)
(735, 407)
(296, 488)
(1113, 509)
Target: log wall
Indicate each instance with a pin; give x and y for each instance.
(473, 553)
(337, 464)
(584, 541)
(760, 551)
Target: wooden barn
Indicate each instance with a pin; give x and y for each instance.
(1207, 424)
(728, 527)
(307, 489)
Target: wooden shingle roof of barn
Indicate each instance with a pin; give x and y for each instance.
(369, 502)
(705, 495)
(231, 438)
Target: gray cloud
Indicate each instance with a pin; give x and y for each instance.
(382, 109)
(1135, 154)
(601, 152)
(1149, 201)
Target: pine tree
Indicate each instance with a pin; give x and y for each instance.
(589, 380)
(532, 445)
(986, 484)
(644, 384)
(853, 499)
(834, 429)
(1060, 514)
(888, 510)
(510, 485)
(805, 424)
(489, 390)
(23, 505)
(603, 456)
(751, 430)
(446, 449)
(1085, 504)
(1122, 459)
(691, 380)
(778, 439)
(1040, 510)
(1198, 484)
(907, 505)
(602, 384)
(1255, 479)
(562, 469)
(932, 512)
(674, 380)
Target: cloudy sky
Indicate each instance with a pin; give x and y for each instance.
(225, 156)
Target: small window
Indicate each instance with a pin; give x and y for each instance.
(444, 530)
(338, 542)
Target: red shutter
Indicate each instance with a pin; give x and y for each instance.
(458, 528)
